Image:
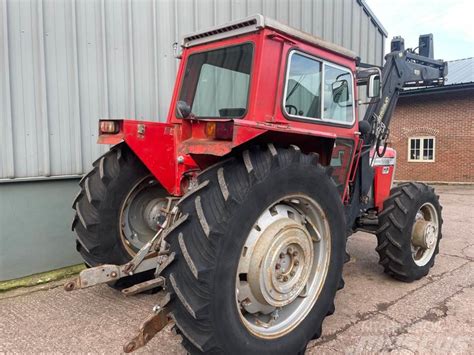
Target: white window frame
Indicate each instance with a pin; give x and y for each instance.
(324, 63)
(422, 139)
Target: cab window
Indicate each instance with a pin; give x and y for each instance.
(303, 87)
(216, 83)
(338, 101)
(319, 90)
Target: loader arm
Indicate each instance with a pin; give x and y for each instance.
(402, 69)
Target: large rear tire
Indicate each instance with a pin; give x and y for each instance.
(410, 231)
(109, 226)
(264, 205)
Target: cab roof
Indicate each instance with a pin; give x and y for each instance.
(253, 24)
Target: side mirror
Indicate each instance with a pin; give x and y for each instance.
(340, 91)
(183, 110)
(373, 86)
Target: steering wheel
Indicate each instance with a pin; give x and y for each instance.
(289, 108)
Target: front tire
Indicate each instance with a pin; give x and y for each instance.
(211, 239)
(410, 231)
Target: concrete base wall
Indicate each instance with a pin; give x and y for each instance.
(35, 227)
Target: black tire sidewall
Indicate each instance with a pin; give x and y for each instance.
(111, 208)
(111, 249)
(295, 179)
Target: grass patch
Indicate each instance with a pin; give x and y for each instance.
(41, 278)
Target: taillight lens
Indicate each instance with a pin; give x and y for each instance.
(109, 127)
(211, 130)
(220, 130)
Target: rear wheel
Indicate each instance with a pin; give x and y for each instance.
(117, 211)
(259, 254)
(410, 232)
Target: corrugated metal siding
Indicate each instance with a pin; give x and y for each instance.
(460, 71)
(64, 64)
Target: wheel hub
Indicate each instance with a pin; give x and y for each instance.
(424, 234)
(282, 266)
(279, 267)
(153, 213)
(141, 213)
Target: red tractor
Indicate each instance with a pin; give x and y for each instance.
(237, 209)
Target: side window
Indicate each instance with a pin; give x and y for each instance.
(338, 100)
(318, 90)
(303, 87)
(341, 162)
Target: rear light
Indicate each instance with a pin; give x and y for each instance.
(211, 129)
(109, 127)
(220, 130)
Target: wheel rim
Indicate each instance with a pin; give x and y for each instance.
(140, 213)
(283, 265)
(425, 232)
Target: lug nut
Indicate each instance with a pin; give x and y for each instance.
(282, 255)
(277, 266)
(290, 250)
(285, 278)
(292, 273)
(297, 262)
(295, 253)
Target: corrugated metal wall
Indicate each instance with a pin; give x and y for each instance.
(64, 64)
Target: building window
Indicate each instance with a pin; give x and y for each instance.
(421, 149)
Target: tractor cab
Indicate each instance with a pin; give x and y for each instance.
(252, 81)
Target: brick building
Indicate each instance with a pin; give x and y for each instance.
(433, 129)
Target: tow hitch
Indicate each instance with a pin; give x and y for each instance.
(153, 325)
(153, 255)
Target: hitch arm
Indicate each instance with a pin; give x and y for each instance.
(107, 273)
(142, 261)
(151, 326)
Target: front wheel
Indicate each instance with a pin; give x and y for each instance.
(259, 254)
(410, 231)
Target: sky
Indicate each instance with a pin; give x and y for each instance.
(450, 21)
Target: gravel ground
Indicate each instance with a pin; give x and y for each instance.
(373, 312)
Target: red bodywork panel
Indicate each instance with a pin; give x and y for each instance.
(171, 149)
(384, 172)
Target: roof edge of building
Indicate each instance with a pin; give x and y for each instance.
(438, 89)
(372, 16)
